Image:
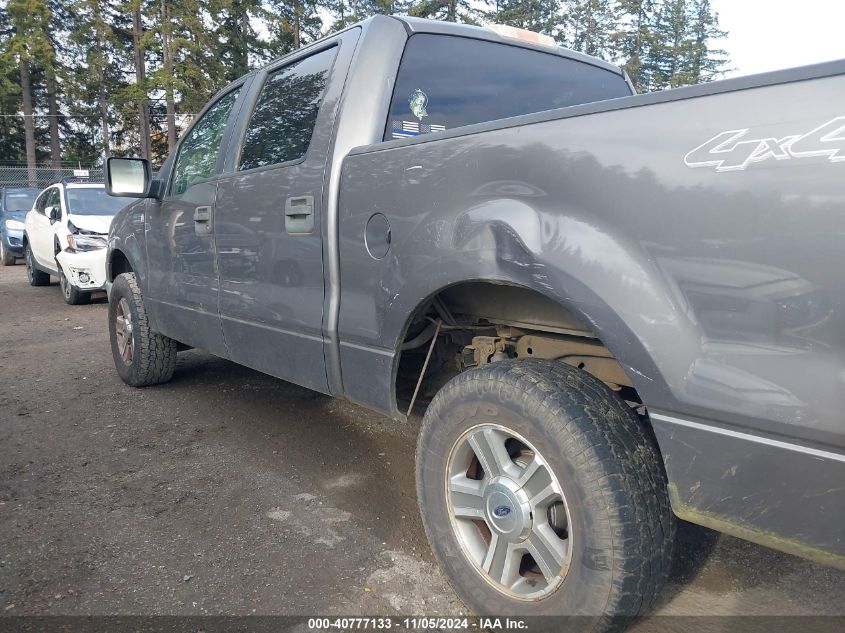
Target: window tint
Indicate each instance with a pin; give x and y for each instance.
(446, 82)
(281, 125)
(197, 158)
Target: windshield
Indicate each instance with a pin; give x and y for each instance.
(93, 201)
(17, 201)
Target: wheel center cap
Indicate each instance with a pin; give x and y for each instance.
(507, 509)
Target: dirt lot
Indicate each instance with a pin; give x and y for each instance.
(230, 492)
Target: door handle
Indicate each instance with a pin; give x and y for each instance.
(202, 220)
(299, 214)
(202, 214)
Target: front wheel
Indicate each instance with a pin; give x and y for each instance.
(36, 277)
(543, 494)
(142, 357)
(72, 295)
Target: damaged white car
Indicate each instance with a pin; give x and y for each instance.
(65, 237)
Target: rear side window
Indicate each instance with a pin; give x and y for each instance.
(281, 125)
(446, 82)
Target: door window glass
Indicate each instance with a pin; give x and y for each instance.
(198, 152)
(446, 81)
(281, 125)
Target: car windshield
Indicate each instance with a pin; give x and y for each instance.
(16, 201)
(93, 201)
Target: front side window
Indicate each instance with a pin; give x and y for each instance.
(54, 198)
(41, 202)
(281, 125)
(197, 158)
(446, 82)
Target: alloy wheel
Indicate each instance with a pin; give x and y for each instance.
(508, 512)
(123, 331)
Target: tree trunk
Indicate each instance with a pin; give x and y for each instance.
(104, 116)
(140, 80)
(168, 74)
(297, 24)
(28, 121)
(53, 111)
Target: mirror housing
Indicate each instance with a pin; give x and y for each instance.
(55, 214)
(128, 177)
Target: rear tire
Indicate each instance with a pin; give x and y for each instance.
(72, 295)
(617, 531)
(36, 277)
(142, 357)
(7, 258)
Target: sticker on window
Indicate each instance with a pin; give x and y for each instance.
(418, 101)
(407, 129)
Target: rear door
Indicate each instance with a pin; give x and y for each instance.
(182, 271)
(269, 220)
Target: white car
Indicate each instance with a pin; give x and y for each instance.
(65, 236)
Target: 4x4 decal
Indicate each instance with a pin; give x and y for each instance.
(733, 150)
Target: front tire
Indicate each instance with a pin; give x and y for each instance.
(142, 357)
(543, 494)
(36, 277)
(72, 295)
(7, 258)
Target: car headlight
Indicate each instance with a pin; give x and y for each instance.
(15, 225)
(79, 242)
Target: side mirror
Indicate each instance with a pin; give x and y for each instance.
(128, 177)
(54, 213)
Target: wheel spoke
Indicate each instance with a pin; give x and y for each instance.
(529, 471)
(501, 561)
(489, 447)
(548, 551)
(543, 497)
(465, 495)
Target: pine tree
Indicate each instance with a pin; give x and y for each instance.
(28, 47)
(98, 73)
(465, 11)
(681, 55)
(593, 27)
(637, 40)
(542, 16)
(704, 63)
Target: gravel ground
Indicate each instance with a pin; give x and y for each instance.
(230, 492)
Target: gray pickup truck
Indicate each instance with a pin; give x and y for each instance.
(613, 309)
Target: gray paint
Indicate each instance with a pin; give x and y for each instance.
(719, 293)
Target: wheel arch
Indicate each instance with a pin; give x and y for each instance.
(117, 264)
(577, 309)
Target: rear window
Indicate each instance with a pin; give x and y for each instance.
(17, 201)
(446, 82)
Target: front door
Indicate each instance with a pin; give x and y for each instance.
(268, 223)
(42, 239)
(183, 285)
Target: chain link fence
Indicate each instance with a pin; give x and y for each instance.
(44, 175)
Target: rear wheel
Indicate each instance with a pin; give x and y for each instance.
(142, 357)
(72, 294)
(36, 277)
(543, 494)
(7, 258)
